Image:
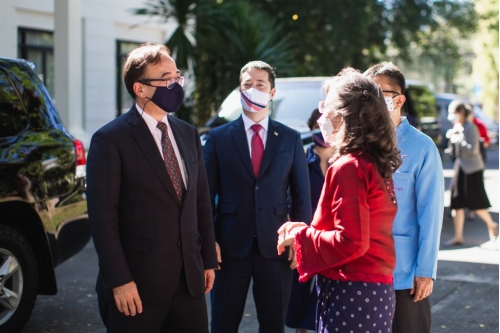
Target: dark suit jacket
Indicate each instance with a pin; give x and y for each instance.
(141, 231)
(247, 206)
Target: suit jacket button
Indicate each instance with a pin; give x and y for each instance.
(257, 188)
(179, 243)
(253, 208)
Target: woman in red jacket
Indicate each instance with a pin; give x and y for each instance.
(349, 243)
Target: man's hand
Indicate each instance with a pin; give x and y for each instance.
(209, 279)
(422, 288)
(127, 299)
(292, 258)
(217, 251)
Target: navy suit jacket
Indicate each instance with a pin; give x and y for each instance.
(249, 206)
(141, 231)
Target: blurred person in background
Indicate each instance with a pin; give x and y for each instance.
(301, 312)
(349, 244)
(484, 142)
(467, 184)
(419, 184)
(484, 139)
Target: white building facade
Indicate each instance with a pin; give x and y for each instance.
(79, 48)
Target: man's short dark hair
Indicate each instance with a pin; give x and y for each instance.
(260, 65)
(138, 59)
(390, 70)
(312, 122)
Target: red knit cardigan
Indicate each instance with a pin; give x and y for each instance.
(350, 238)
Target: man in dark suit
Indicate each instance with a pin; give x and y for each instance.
(251, 164)
(149, 207)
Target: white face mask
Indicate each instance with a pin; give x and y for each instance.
(326, 128)
(390, 105)
(254, 100)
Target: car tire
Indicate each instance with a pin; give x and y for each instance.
(19, 274)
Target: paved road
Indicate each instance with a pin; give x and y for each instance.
(465, 297)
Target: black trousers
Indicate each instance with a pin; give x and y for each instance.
(411, 317)
(182, 314)
(272, 280)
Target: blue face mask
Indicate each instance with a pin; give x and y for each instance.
(169, 100)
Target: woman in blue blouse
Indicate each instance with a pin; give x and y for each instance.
(301, 312)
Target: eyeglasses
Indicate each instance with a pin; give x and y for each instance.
(322, 107)
(391, 92)
(169, 83)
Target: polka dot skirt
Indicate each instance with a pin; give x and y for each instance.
(354, 307)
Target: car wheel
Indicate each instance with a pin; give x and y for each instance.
(18, 280)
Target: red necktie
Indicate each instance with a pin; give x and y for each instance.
(257, 149)
(171, 161)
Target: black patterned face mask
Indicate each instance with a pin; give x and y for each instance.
(168, 99)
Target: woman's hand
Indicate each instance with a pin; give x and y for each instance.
(283, 241)
(288, 226)
(287, 234)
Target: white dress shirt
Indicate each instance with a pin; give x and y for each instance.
(263, 131)
(156, 132)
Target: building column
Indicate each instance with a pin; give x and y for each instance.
(8, 35)
(68, 65)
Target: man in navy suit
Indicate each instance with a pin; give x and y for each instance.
(251, 164)
(149, 207)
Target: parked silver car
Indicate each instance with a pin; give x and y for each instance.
(297, 97)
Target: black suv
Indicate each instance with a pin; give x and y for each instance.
(43, 208)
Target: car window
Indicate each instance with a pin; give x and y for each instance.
(292, 104)
(295, 101)
(231, 107)
(296, 98)
(13, 118)
(424, 102)
(34, 97)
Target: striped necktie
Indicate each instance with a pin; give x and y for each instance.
(171, 161)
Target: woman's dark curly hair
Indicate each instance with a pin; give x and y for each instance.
(365, 122)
